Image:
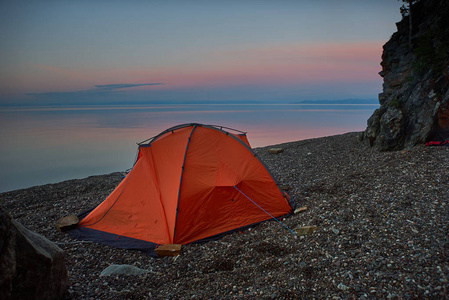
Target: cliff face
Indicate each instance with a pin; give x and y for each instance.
(415, 99)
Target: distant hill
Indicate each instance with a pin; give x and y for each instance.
(342, 101)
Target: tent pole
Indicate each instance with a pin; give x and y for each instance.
(180, 179)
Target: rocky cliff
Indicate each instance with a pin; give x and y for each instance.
(414, 104)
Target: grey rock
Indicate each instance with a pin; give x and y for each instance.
(126, 270)
(32, 267)
(335, 231)
(7, 257)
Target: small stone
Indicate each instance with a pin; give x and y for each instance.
(305, 230)
(342, 287)
(300, 210)
(67, 223)
(275, 150)
(285, 187)
(335, 230)
(168, 250)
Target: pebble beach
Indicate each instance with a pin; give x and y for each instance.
(382, 219)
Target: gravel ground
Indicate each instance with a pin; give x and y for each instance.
(383, 220)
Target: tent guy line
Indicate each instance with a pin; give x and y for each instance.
(265, 211)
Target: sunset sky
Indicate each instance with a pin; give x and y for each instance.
(80, 52)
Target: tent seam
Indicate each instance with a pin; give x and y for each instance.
(160, 196)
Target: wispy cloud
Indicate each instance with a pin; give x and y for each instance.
(99, 90)
(100, 94)
(122, 85)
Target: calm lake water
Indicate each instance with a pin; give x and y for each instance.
(41, 145)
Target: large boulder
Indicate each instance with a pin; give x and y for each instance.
(414, 104)
(31, 266)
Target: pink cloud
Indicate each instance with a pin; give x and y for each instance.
(290, 64)
(287, 65)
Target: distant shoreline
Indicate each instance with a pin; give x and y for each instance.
(32, 104)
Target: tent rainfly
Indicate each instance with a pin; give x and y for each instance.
(190, 183)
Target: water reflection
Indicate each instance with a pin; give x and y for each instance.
(49, 144)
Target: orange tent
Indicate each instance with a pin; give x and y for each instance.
(189, 183)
